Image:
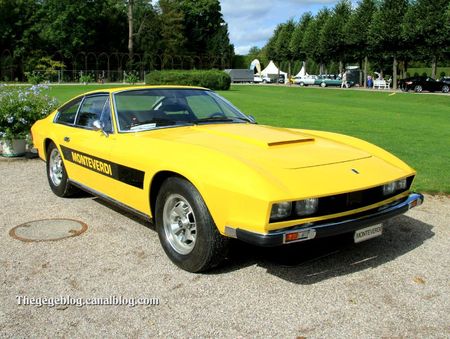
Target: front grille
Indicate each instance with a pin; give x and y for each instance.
(350, 201)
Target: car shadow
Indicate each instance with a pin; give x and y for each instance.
(314, 261)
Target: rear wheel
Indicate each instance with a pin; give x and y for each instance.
(418, 88)
(56, 173)
(186, 229)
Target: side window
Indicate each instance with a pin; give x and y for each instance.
(68, 112)
(91, 109)
(105, 117)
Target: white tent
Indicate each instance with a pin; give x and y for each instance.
(272, 71)
(302, 72)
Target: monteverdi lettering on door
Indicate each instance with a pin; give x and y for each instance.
(125, 174)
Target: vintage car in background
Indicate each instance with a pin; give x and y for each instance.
(204, 172)
(419, 84)
(305, 80)
(325, 80)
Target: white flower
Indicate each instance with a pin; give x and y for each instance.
(2, 134)
(22, 121)
(10, 119)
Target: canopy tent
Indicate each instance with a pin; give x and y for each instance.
(302, 72)
(272, 71)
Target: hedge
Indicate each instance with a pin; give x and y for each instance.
(213, 79)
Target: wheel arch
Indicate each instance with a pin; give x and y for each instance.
(46, 143)
(155, 186)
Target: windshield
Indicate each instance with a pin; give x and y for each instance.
(144, 109)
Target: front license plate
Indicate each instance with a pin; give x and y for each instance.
(368, 233)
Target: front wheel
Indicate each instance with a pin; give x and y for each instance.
(186, 229)
(445, 89)
(323, 85)
(56, 173)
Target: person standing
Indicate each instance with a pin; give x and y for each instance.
(344, 80)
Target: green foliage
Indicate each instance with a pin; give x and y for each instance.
(20, 108)
(131, 78)
(34, 77)
(295, 43)
(214, 79)
(86, 78)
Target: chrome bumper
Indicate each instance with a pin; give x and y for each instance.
(330, 228)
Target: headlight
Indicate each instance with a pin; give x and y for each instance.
(281, 210)
(394, 186)
(389, 188)
(306, 207)
(400, 184)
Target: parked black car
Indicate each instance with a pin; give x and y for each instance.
(445, 80)
(419, 84)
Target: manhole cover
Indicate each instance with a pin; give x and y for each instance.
(48, 230)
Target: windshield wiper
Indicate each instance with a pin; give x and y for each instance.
(221, 119)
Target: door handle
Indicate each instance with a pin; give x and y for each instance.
(66, 139)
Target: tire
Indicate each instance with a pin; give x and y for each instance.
(195, 245)
(57, 175)
(418, 88)
(445, 89)
(323, 85)
(302, 84)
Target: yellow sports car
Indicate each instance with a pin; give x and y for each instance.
(204, 172)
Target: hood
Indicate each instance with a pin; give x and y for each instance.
(270, 146)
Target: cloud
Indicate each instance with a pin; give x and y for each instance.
(252, 22)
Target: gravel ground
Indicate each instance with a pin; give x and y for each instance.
(396, 285)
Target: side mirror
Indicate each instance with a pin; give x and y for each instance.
(97, 125)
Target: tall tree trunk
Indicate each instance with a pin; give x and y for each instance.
(341, 67)
(394, 73)
(130, 32)
(365, 71)
(433, 67)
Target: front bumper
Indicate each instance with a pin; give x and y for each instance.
(330, 228)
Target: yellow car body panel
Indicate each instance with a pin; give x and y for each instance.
(240, 169)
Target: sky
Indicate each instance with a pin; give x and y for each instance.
(252, 22)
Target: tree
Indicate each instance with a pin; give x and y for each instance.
(311, 40)
(282, 43)
(357, 32)
(424, 27)
(333, 39)
(385, 33)
(295, 45)
(172, 28)
(205, 28)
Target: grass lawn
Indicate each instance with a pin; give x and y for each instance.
(415, 127)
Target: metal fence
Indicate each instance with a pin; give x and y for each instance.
(107, 67)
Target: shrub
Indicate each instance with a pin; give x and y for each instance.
(20, 108)
(424, 74)
(131, 78)
(34, 77)
(213, 79)
(86, 78)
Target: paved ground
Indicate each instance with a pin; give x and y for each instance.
(396, 285)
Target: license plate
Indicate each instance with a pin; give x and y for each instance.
(368, 233)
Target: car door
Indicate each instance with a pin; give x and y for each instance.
(86, 150)
(93, 157)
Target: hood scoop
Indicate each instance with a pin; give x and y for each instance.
(288, 142)
(262, 136)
